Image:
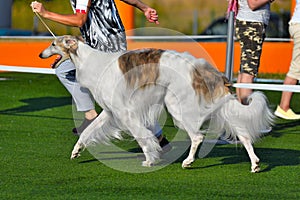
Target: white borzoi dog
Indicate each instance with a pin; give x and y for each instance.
(129, 86)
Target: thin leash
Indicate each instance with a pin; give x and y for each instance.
(37, 14)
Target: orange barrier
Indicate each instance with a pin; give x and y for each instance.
(275, 58)
(126, 12)
(24, 53)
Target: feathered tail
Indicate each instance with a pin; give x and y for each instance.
(247, 120)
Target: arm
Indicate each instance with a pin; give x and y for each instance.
(149, 12)
(76, 19)
(255, 4)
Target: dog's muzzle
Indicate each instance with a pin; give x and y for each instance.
(57, 62)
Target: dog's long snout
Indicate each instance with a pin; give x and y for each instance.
(46, 53)
(41, 55)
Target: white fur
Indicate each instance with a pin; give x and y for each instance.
(133, 109)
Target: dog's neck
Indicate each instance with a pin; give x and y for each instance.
(89, 61)
(81, 54)
(85, 55)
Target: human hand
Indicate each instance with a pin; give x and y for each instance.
(37, 7)
(151, 15)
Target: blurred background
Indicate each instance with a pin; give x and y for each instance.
(191, 17)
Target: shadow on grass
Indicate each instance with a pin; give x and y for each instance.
(278, 129)
(268, 156)
(37, 104)
(271, 158)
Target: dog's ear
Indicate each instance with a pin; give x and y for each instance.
(70, 42)
(80, 38)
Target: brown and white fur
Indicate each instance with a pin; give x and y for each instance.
(132, 87)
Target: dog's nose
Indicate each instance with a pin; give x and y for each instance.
(41, 55)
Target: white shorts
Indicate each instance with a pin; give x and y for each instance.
(294, 71)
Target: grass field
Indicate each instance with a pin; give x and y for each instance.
(36, 141)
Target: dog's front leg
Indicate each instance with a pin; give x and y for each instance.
(147, 141)
(151, 149)
(85, 136)
(76, 150)
(196, 139)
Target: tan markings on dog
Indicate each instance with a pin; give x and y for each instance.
(140, 67)
(69, 44)
(72, 43)
(60, 43)
(209, 82)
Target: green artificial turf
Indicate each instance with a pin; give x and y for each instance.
(36, 142)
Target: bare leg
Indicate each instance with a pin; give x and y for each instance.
(287, 96)
(90, 114)
(243, 93)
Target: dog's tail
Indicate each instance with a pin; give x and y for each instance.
(249, 120)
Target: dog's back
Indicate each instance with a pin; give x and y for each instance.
(152, 76)
(142, 68)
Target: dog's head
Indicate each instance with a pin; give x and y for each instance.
(62, 46)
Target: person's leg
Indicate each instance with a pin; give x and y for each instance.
(283, 109)
(163, 142)
(243, 93)
(251, 36)
(81, 96)
(287, 96)
(294, 71)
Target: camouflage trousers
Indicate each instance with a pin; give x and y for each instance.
(251, 36)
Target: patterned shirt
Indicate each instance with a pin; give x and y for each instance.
(296, 15)
(103, 29)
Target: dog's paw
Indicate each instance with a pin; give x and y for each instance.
(76, 151)
(187, 163)
(75, 155)
(255, 168)
(147, 164)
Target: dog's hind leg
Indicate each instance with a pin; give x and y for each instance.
(250, 150)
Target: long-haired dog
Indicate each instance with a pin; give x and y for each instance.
(132, 87)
